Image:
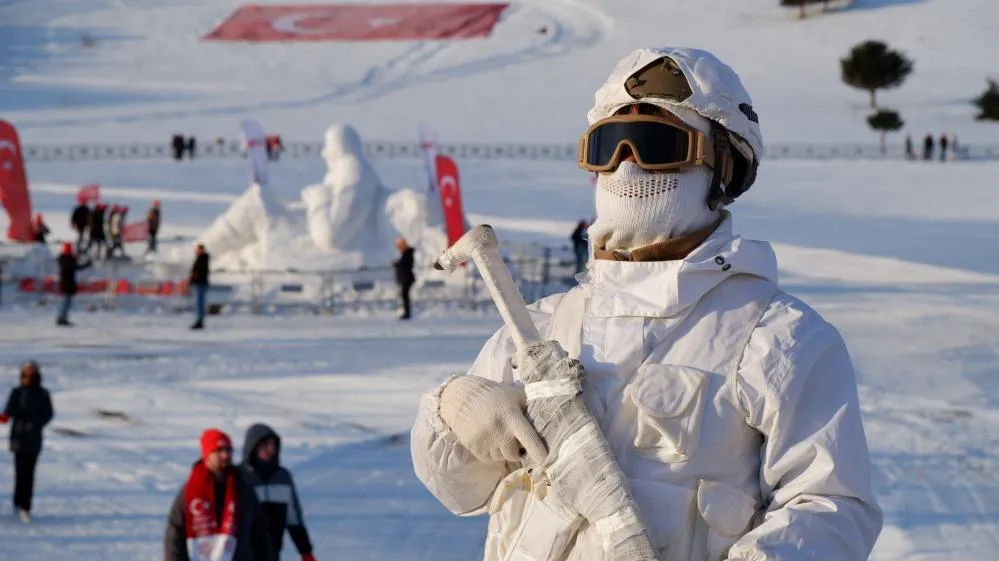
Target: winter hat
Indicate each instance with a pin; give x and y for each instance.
(212, 440)
(67, 248)
(636, 207)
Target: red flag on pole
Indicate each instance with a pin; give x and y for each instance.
(448, 182)
(89, 193)
(14, 185)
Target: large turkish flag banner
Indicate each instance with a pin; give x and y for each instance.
(358, 22)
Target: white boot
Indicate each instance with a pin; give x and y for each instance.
(23, 514)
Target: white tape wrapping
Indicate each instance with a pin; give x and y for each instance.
(552, 388)
(624, 519)
(586, 434)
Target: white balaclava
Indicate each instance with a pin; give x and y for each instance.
(635, 207)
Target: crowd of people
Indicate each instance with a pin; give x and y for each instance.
(100, 229)
(947, 145)
(243, 509)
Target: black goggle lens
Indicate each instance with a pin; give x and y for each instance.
(656, 143)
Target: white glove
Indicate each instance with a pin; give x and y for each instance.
(489, 420)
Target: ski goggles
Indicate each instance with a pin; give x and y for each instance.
(657, 143)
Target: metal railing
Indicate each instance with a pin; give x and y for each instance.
(463, 151)
(538, 270)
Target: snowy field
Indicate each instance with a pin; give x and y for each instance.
(147, 74)
(900, 256)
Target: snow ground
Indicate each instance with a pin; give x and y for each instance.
(895, 254)
(901, 256)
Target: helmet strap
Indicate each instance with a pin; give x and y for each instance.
(723, 158)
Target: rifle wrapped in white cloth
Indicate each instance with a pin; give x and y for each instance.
(580, 468)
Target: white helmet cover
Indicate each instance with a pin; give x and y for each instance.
(716, 93)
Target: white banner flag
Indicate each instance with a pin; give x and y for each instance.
(255, 141)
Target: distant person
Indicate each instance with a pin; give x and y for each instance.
(68, 266)
(116, 229)
(579, 246)
(30, 408)
(179, 146)
(199, 283)
(261, 469)
(79, 220)
(192, 146)
(216, 515)
(943, 147)
(954, 154)
(153, 226)
(40, 229)
(910, 151)
(98, 238)
(404, 276)
(928, 146)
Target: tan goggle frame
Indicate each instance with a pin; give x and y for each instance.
(700, 149)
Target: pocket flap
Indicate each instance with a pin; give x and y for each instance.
(726, 509)
(667, 390)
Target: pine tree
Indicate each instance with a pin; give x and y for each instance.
(885, 121)
(872, 66)
(988, 103)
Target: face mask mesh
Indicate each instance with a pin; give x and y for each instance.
(632, 182)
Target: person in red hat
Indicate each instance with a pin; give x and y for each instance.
(216, 515)
(79, 220)
(68, 266)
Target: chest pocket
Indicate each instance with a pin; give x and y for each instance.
(670, 401)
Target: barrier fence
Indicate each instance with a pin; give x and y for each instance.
(538, 270)
(464, 151)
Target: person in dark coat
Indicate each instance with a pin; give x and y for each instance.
(30, 408)
(910, 150)
(41, 230)
(153, 225)
(192, 146)
(943, 147)
(404, 276)
(79, 220)
(199, 283)
(216, 510)
(261, 468)
(178, 144)
(97, 236)
(68, 266)
(928, 146)
(579, 246)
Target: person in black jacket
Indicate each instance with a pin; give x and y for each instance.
(41, 230)
(199, 282)
(275, 489)
(68, 266)
(97, 235)
(30, 408)
(404, 276)
(79, 221)
(216, 510)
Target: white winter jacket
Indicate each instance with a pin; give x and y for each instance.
(730, 405)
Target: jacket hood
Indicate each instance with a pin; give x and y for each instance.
(666, 288)
(254, 435)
